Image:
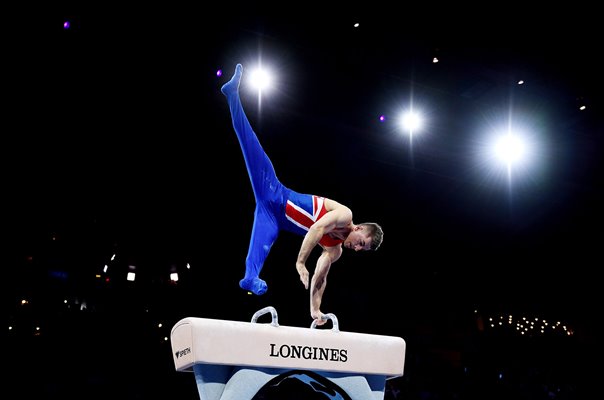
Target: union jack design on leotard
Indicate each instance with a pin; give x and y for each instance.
(304, 218)
(304, 214)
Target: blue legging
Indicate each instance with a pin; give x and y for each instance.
(269, 193)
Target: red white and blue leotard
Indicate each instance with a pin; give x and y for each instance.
(277, 207)
(302, 213)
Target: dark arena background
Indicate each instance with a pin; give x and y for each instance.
(127, 205)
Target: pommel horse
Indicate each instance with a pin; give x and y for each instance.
(234, 360)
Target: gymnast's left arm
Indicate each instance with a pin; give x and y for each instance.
(339, 216)
(319, 281)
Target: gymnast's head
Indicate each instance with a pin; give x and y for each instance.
(365, 236)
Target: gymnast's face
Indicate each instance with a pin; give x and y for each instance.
(358, 240)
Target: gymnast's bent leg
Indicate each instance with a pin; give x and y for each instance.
(267, 188)
(264, 234)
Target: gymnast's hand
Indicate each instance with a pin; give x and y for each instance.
(318, 317)
(303, 272)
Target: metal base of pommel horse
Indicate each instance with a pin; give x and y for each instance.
(235, 360)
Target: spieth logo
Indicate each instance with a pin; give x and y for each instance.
(308, 353)
(182, 352)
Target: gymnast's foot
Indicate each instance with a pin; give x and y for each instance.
(254, 285)
(233, 85)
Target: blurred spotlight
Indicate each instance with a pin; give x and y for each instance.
(261, 79)
(411, 122)
(512, 151)
(509, 149)
(131, 273)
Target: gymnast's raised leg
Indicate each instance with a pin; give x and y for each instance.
(267, 188)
